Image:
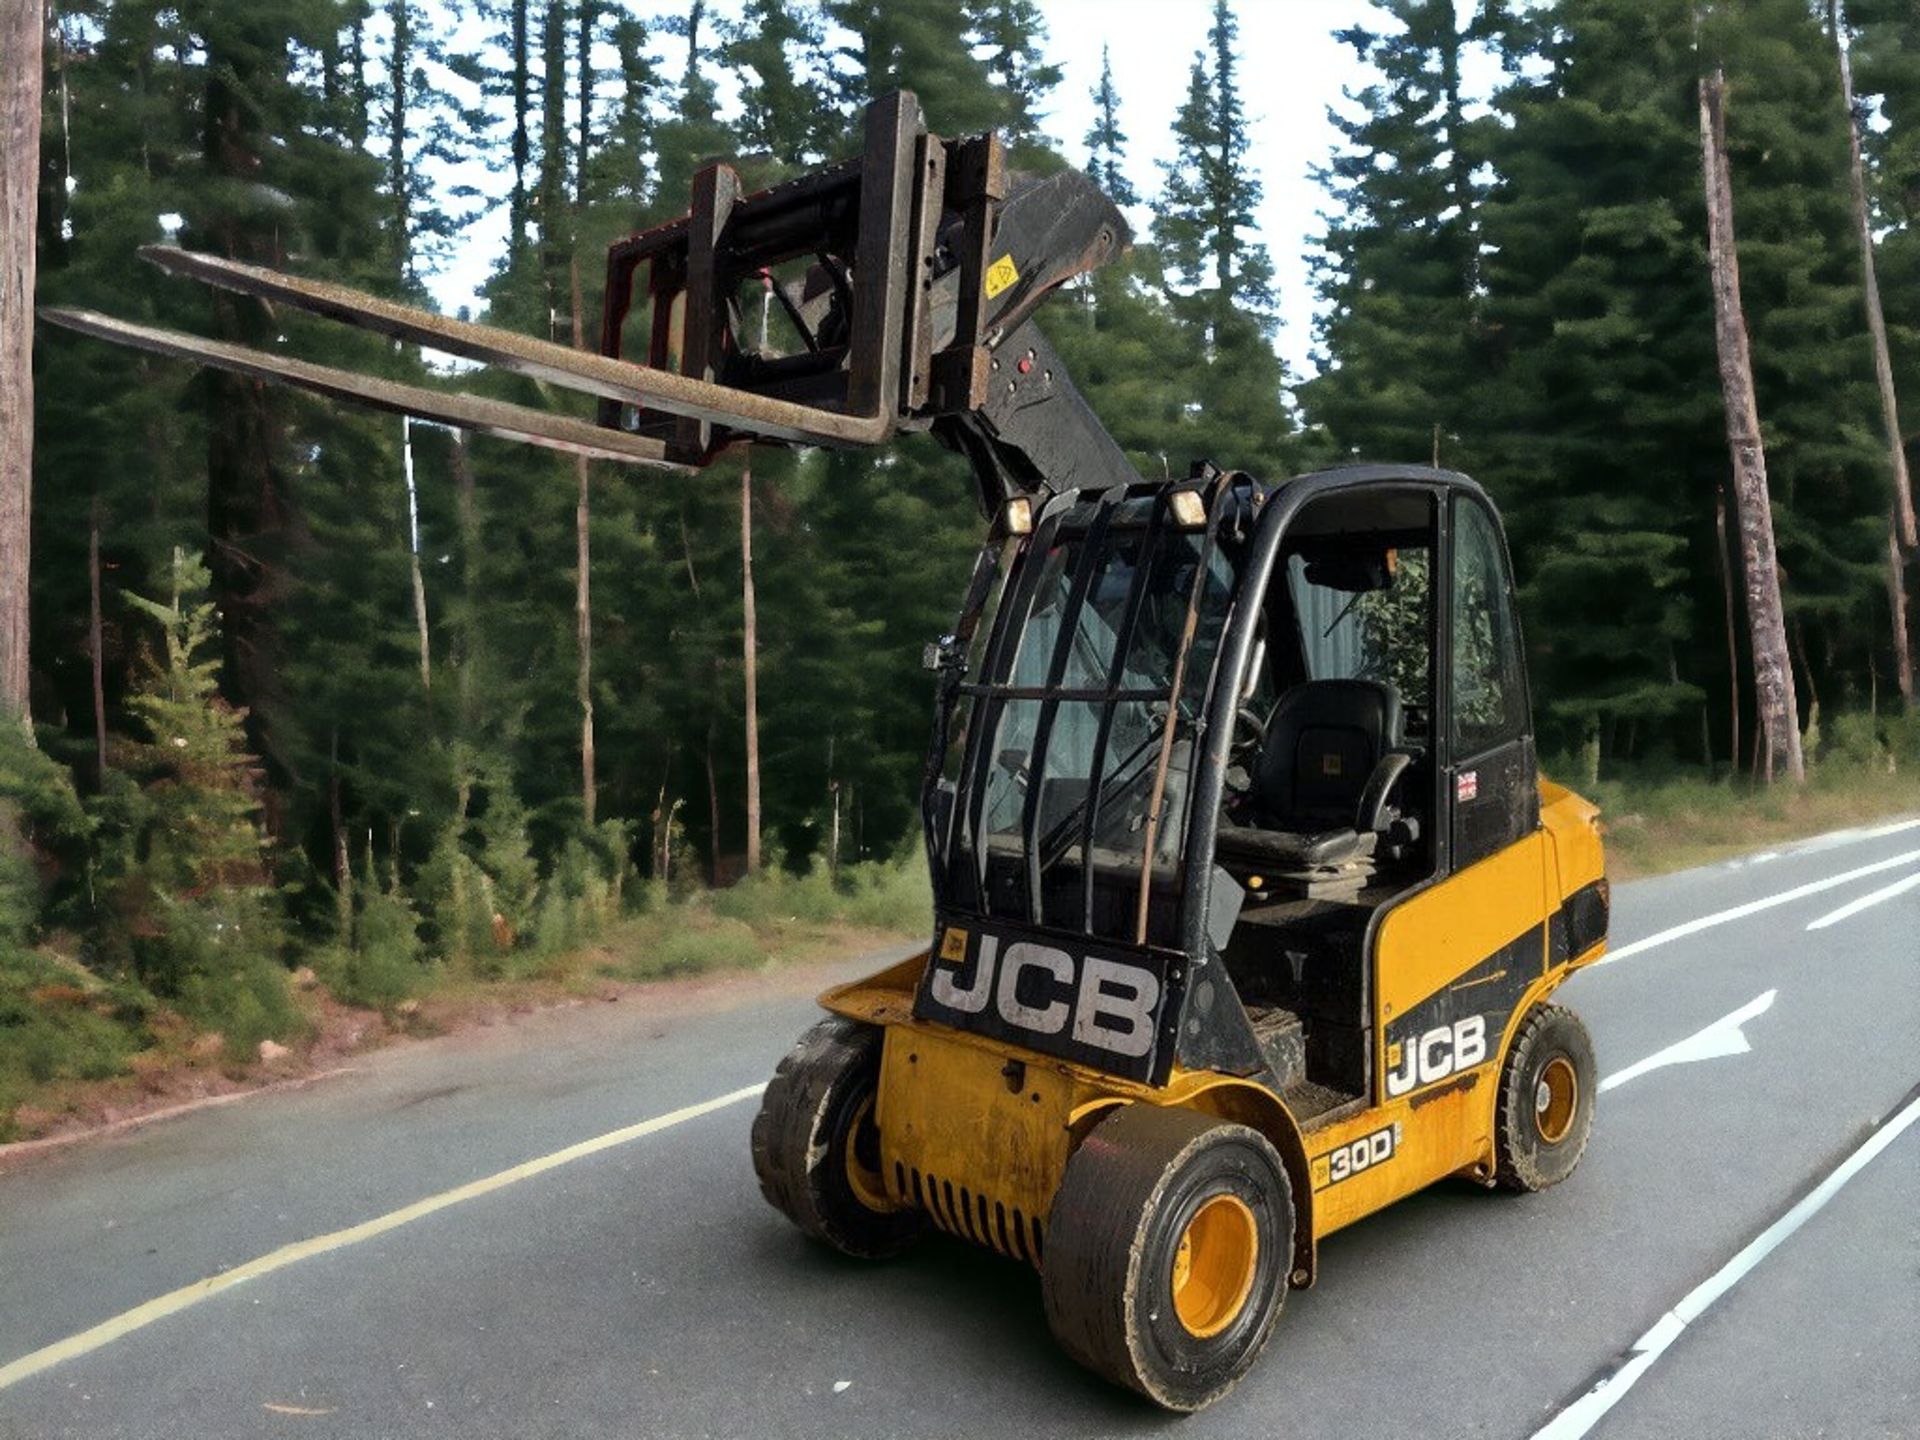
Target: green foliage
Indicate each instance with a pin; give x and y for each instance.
(43, 835)
(58, 1022)
(890, 895)
(724, 944)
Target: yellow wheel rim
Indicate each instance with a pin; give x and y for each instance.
(1555, 1099)
(1213, 1268)
(869, 1186)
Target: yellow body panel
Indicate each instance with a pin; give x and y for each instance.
(977, 1132)
(1447, 929)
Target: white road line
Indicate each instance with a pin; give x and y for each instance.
(188, 1295)
(1854, 907)
(1584, 1413)
(1754, 907)
(1723, 1037)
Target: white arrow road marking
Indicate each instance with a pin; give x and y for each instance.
(1753, 907)
(1722, 1038)
(1854, 907)
(1585, 1412)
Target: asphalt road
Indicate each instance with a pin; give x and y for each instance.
(645, 1289)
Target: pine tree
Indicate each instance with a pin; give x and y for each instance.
(779, 51)
(1593, 429)
(1106, 142)
(1206, 210)
(1219, 280)
(1402, 271)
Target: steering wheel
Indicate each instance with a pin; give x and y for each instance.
(1243, 751)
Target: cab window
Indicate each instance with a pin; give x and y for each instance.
(1489, 706)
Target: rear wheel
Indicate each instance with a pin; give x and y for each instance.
(1168, 1251)
(1546, 1100)
(816, 1147)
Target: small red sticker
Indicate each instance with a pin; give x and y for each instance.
(1466, 785)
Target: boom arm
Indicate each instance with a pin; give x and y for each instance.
(906, 278)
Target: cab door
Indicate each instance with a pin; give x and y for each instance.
(1456, 959)
(1494, 794)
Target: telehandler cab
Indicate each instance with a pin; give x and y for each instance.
(1249, 899)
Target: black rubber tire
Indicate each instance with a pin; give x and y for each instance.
(1526, 1160)
(801, 1135)
(1116, 1223)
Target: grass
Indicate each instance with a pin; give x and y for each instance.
(70, 1042)
(66, 1035)
(1657, 824)
(61, 1025)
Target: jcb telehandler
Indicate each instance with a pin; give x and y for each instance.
(1249, 899)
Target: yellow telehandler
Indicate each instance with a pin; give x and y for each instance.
(1249, 899)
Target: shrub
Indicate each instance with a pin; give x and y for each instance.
(59, 1023)
(386, 962)
(725, 944)
(876, 894)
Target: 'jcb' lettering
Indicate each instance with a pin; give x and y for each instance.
(1023, 956)
(973, 998)
(1103, 1003)
(1439, 1053)
(1114, 1009)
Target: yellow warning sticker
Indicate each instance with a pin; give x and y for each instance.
(1000, 275)
(953, 945)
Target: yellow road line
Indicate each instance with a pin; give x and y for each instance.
(175, 1301)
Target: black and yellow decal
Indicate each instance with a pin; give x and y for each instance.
(1460, 1025)
(1355, 1157)
(1101, 1008)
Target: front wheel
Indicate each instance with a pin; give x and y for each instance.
(1168, 1252)
(1546, 1100)
(816, 1148)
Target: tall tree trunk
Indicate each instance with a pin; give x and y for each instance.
(713, 811)
(582, 471)
(583, 586)
(1897, 603)
(413, 555)
(1725, 557)
(337, 827)
(749, 645)
(1779, 713)
(522, 148)
(251, 515)
(399, 71)
(1870, 295)
(464, 650)
(555, 213)
(22, 40)
(94, 657)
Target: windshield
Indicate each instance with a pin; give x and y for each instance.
(1057, 729)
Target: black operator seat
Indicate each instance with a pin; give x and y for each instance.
(1325, 767)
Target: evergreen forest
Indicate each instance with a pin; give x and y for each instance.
(312, 688)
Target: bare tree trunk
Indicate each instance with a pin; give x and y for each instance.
(583, 584)
(748, 645)
(1897, 603)
(833, 790)
(1870, 294)
(713, 812)
(1733, 646)
(22, 42)
(413, 555)
(337, 825)
(1772, 671)
(94, 657)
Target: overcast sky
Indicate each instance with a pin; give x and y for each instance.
(1291, 71)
